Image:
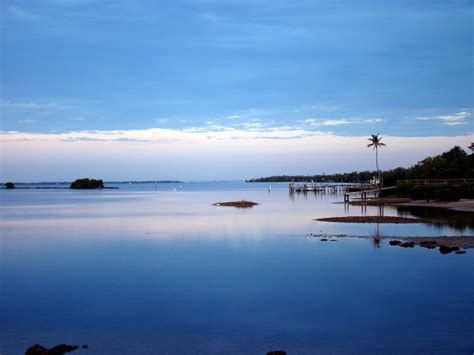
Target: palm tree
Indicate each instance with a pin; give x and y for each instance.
(376, 142)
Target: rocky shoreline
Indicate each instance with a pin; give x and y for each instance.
(371, 219)
(463, 205)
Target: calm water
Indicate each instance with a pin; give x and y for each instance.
(145, 270)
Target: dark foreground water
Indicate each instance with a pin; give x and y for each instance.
(142, 271)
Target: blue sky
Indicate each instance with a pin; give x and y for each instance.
(344, 68)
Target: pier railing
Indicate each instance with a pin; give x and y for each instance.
(436, 181)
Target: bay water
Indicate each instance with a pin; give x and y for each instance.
(157, 268)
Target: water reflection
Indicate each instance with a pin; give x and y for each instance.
(440, 217)
(375, 237)
(167, 215)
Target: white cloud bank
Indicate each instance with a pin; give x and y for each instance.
(202, 154)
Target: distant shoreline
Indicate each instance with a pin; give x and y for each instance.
(106, 182)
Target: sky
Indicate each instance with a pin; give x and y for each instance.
(229, 89)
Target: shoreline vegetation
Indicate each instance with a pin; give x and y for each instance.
(453, 164)
(443, 178)
(65, 185)
(87, 184)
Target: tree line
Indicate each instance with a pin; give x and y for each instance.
(453, 164)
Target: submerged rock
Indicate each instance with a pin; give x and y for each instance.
(428, 246)
(394, 242)
(407, 244)
(428, 243)
(276, 352)
(443, 249)
(461, 252)
(324, 239)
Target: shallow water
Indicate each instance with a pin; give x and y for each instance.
(145, 270)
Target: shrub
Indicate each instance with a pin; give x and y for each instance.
(87, 184)
(418, 192)
(447, 195)
(466, 191)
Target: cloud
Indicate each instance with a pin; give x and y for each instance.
(247, 131)
(206, 153)
(329, 122)
(373, 120)
(21, 14)
(424, 118)
(27, 121)
(454, 119)
(339, 121)
(252, 125)
(32, 105)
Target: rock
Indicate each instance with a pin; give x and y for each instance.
(394, 242)
(63, 348)
(407, 244)
(323, 239)
(461, 252)
(443, 249)
(276, 352)
(85, 346)
(36, 350)
(57, 350)
(333, 240)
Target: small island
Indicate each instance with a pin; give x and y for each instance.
(87, 184)
(238, 204)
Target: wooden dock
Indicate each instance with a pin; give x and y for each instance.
(327, 188)
(364, 193)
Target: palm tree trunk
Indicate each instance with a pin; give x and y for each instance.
(377, 165)
(377, 159)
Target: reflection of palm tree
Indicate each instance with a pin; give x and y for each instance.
(376, 142)
(376, 238)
